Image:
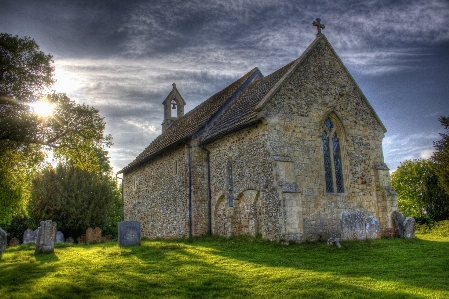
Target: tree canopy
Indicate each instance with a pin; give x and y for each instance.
(441, 155)
(76, 199)
(72, 133)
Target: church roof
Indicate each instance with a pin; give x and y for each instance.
(231, 109)
(186, 126)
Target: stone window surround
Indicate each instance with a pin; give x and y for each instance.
(339, 129)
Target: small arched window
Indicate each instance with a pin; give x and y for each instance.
(332, 159)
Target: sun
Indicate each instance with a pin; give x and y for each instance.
(43, 108)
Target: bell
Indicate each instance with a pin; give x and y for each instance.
(173, 105)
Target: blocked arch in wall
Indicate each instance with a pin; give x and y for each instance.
(244, 218)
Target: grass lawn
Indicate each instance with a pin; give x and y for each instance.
(236, 268)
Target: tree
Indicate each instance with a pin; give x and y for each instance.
(440, 158)
(419, 191)
(76, 199)
(73, 133)
(25, 70)
(407, 180)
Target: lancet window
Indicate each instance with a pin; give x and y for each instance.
(332, 159)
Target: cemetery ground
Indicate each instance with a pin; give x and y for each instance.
(241, 267)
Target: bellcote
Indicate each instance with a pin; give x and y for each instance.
(173, 108)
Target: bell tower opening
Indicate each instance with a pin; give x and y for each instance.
(173, 108)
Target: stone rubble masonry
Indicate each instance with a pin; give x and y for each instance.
(278, 180)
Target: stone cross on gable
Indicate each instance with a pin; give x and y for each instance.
(319, 26)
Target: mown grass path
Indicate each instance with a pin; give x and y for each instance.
(236, 268)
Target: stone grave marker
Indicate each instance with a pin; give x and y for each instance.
(353, 225)
(70, 240)
(409, 228)
(45, 241)
(399, 219)
(93, 235)
(59, 237)
(3, 241)
(14, 242)
(372, 227)
(29, 236)
(128, 233)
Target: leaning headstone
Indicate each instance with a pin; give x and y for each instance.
(14, 242)
(69, 240)
(59, 237)
(409, 228)
(45, 241)
(128, 233)
(29, 236)
(3, 241)
(399, 219)
(352, 225)
(372, 227)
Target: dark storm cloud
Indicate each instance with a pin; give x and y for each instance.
(122, 56)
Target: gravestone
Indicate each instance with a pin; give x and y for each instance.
(409, 228)
(29, 236)
(14, 242)
(70, 240)
(372, 227)
(3, 241)
(93, 235)
(45, 241)
(399, 219)
(353, 225)
(128, 233)
(59, 237)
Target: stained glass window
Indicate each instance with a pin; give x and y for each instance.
(337, 165)
(332, 159)
(327, 164)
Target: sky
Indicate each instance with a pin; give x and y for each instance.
(123, 56)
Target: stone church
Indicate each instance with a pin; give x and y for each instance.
(280, 156)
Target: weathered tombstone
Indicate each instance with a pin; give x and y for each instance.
(372, 227)
(353, 226)
(29, 236)
(128, 233)
(399, 219)
(45, 241)
(97, 235)
(93, 235)
(70, 240)
(14, 242)
(409, 228)
(3, 241)
(59, 237)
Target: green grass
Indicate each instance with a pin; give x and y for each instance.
(236, 268)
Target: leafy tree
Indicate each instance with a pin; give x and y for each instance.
(73, 133)
(25, 70)
(76, 199)
(419, 191)
(407, 180)
(441, 156)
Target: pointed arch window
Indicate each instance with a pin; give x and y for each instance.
(332, 159)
